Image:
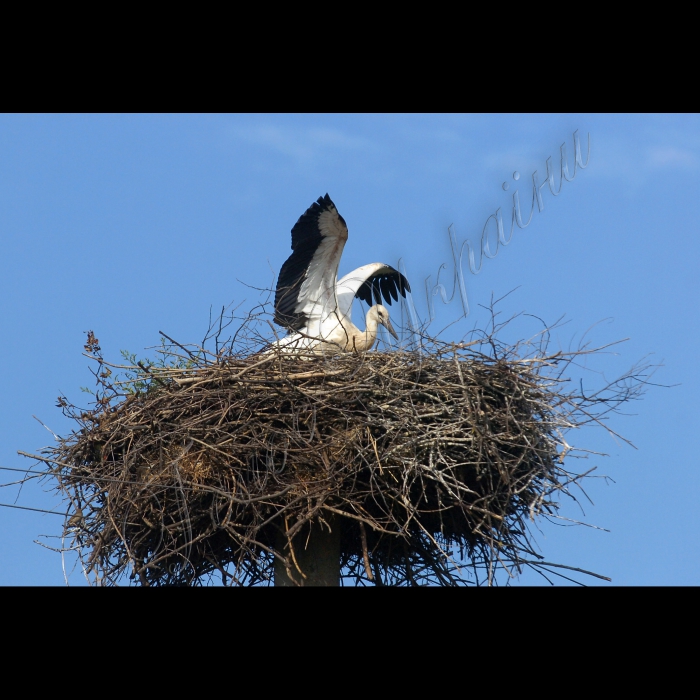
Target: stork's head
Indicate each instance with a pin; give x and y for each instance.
(383, 318)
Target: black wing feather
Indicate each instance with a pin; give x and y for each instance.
(388, 283)
(306, 238)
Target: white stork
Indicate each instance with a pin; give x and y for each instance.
(313, 304)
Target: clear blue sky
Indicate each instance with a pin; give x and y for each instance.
(128, 225)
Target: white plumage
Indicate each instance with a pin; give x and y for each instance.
(313, 304)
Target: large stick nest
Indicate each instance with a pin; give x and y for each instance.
(432, 464)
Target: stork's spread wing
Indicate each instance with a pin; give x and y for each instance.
(306, 285)
(371, 283)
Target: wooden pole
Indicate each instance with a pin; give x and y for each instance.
(317, 555)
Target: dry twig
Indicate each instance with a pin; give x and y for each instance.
(437, 460)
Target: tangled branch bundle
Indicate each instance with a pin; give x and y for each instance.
(432, 463)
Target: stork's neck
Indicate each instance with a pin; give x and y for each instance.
(366, 340)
